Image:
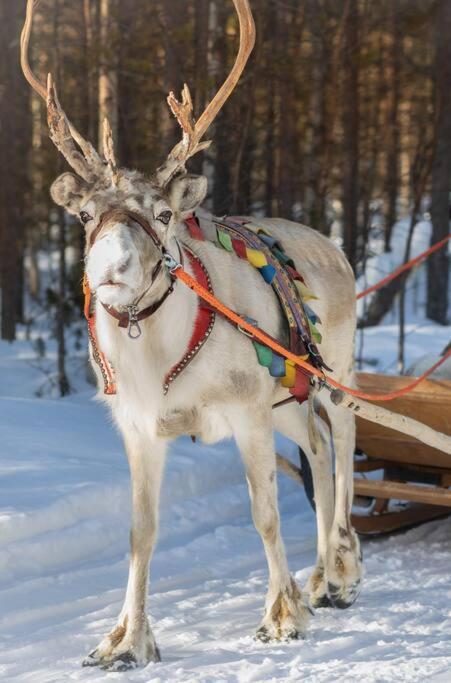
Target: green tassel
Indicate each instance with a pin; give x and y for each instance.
(264, 354)
(225, 240)
(317, 338)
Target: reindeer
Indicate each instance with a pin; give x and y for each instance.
(132, 223)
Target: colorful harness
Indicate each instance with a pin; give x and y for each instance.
(266, 254)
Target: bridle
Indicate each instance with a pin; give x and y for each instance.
(205, 317)
(133, 316)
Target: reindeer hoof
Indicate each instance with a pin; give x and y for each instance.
(263, 635)
(341, 599)
(91, 659)
(322, 601)
(123, 662)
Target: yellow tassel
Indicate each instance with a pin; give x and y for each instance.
(256, 258)
(290, 375)
(305, 293)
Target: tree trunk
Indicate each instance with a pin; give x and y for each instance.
(438, 266)
(176, 65)
(92, 76)
(392, 181)
(108, 77)
(201, 36)
(270, 114)
(63, 382)
(317, 169)
(351, 132)
(221, 183)
(14, 149)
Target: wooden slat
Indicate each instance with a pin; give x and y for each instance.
(369, 464)
(432, 495)
(390, 521)
(430, 403)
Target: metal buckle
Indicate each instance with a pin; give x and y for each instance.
(311, 349)
(252, 322)
(243, 331)
(134, 330)
(170, 262)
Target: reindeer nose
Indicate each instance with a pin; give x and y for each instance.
(124, 263)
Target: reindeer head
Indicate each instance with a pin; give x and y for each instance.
(121, 260)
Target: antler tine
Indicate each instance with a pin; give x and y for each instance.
(35, 83)
(61, 136)
(62, 132)
(183, 110)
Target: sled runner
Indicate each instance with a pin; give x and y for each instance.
(400, 481)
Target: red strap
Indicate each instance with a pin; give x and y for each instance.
(107, 371)
(203, 324)
(194, 228)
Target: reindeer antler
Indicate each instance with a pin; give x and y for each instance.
(87, 163)
(193, 131)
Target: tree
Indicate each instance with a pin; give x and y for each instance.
(14, 181)
(351, 124)
(108, 87)
(438, 267)
(393, 128)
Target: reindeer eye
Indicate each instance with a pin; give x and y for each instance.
(85, 217)
(165, 217)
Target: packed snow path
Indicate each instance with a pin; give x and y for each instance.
(64, 517)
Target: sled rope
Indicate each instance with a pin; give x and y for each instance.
(178, 271)
(405, 266)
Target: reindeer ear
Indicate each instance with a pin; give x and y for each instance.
(69, 191)
(186, 192)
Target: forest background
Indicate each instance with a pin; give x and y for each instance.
(342, 120)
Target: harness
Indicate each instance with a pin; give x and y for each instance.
(130, 319)
(263, 252)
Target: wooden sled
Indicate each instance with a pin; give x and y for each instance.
(399, 481)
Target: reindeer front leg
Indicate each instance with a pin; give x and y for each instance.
(286, 613)
(131, 642)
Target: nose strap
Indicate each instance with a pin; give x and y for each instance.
(124, 318)
(121, 214)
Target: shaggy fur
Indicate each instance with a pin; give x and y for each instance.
(222, 393)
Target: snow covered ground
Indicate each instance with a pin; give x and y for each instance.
(64, 518)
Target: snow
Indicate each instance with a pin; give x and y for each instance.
(64, 520)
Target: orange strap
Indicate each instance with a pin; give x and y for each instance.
(405, 266)
(204, 294)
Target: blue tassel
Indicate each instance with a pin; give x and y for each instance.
(277, 367)
(268, 272)
(313, 317)
(269, 241)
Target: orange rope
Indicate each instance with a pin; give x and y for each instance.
(405, 266)
(204, 294)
